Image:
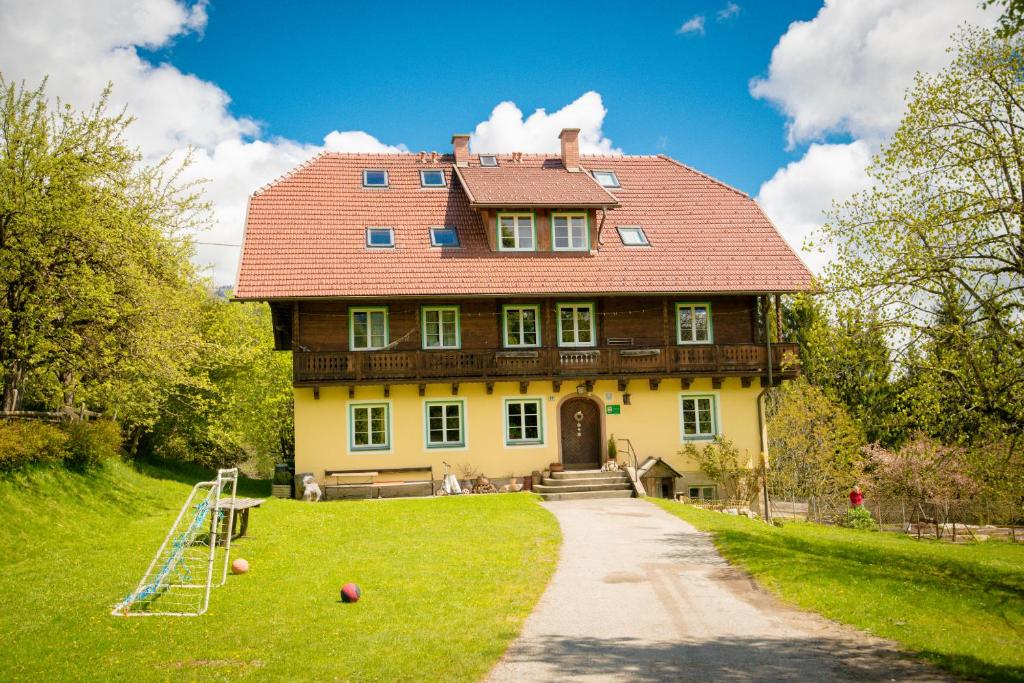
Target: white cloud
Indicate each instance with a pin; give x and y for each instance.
(797, 196)
(846, 70)
(507, 131)
(730, 10)
(83, 45)
(693, 25)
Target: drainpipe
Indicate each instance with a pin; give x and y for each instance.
(600, 227)
(761, 416)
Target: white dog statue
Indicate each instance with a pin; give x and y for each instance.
(311, 490)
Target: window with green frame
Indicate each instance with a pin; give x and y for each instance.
(516, 232)
(367, 328)
(569, 232)
(369, 426)
(576, 324)
(697, 414)
(693, 323)
(445, 427)
(523, 421)
(521, 326)
(440, 327)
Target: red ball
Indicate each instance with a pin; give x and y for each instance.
(350, 592)
(239, 566)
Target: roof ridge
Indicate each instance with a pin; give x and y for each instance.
(705, 175)
(288, 174)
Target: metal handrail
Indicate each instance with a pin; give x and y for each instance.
(631, 452)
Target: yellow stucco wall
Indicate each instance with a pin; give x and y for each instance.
(651, 422)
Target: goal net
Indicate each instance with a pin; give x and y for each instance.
(193, 558)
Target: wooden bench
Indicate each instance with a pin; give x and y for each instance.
(354, 479)
(241, 507)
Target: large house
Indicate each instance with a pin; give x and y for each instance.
(502, 312)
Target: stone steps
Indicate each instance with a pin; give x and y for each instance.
(584, 484)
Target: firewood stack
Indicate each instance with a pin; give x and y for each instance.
(484, 485)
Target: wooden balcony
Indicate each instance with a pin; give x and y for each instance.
(492, 365)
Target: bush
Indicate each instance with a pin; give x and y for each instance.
(78, 445)
(24, 443)
(860, 518)
(90, 443)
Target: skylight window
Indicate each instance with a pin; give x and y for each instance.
(379, 238)
(444, 236)
(375, 178)
(432, 178)
(488, 160)
(633, 236)
(606, 178)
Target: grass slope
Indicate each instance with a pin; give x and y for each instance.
(446, 584)
(960, 606)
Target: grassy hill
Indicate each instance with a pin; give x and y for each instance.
(446, 583)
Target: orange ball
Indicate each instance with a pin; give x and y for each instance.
(239, 566)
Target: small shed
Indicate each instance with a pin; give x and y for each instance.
(659, 478)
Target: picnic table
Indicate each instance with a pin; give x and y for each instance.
(241, 507)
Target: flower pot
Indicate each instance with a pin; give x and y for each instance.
(556, 467)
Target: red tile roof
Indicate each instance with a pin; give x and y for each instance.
(530, 185)
(305, 236)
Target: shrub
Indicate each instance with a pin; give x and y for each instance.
(90, 443)
(24, 443)
(860, 518)
(721, 462)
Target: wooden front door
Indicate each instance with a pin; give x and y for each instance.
(581, 434)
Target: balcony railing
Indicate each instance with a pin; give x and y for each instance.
(312, 367)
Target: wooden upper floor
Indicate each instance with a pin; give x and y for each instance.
(481, 339)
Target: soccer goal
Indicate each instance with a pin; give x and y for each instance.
(182, 573)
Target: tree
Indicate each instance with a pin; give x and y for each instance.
(815, 445)
(90, 242)
(935, 250)
(1012, 19)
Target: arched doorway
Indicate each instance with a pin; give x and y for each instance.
(580, 421)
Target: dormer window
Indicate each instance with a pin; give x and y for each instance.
(488, 160)
(569, 232)
(444, 236)
(633, 236)
(375, 178)
(515, 232)
(432, 178)
(380, 238)
(606, 178)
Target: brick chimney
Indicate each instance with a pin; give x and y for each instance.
(570, 138)
(461, 144)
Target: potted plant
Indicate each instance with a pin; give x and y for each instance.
(613, 450)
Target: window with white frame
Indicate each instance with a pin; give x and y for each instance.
(369, 426)
(440, 327)
(515, 232)
(445, 424)
(633, 236)
(444, 236)
(432, 178)
(522, 326)
(576, 325)
(375, 178)
(698, 417)
(606, 178)
(380, 238)
(368, 328)
(569, 232)
(693, 323)
(523, 421)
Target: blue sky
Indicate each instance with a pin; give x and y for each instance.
(785, 100)
(419, 72)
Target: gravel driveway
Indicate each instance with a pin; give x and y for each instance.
(640, 595)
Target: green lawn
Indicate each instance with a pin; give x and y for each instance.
(446, 584)
(960, 606)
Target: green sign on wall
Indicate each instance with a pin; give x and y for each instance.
(613, 409)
